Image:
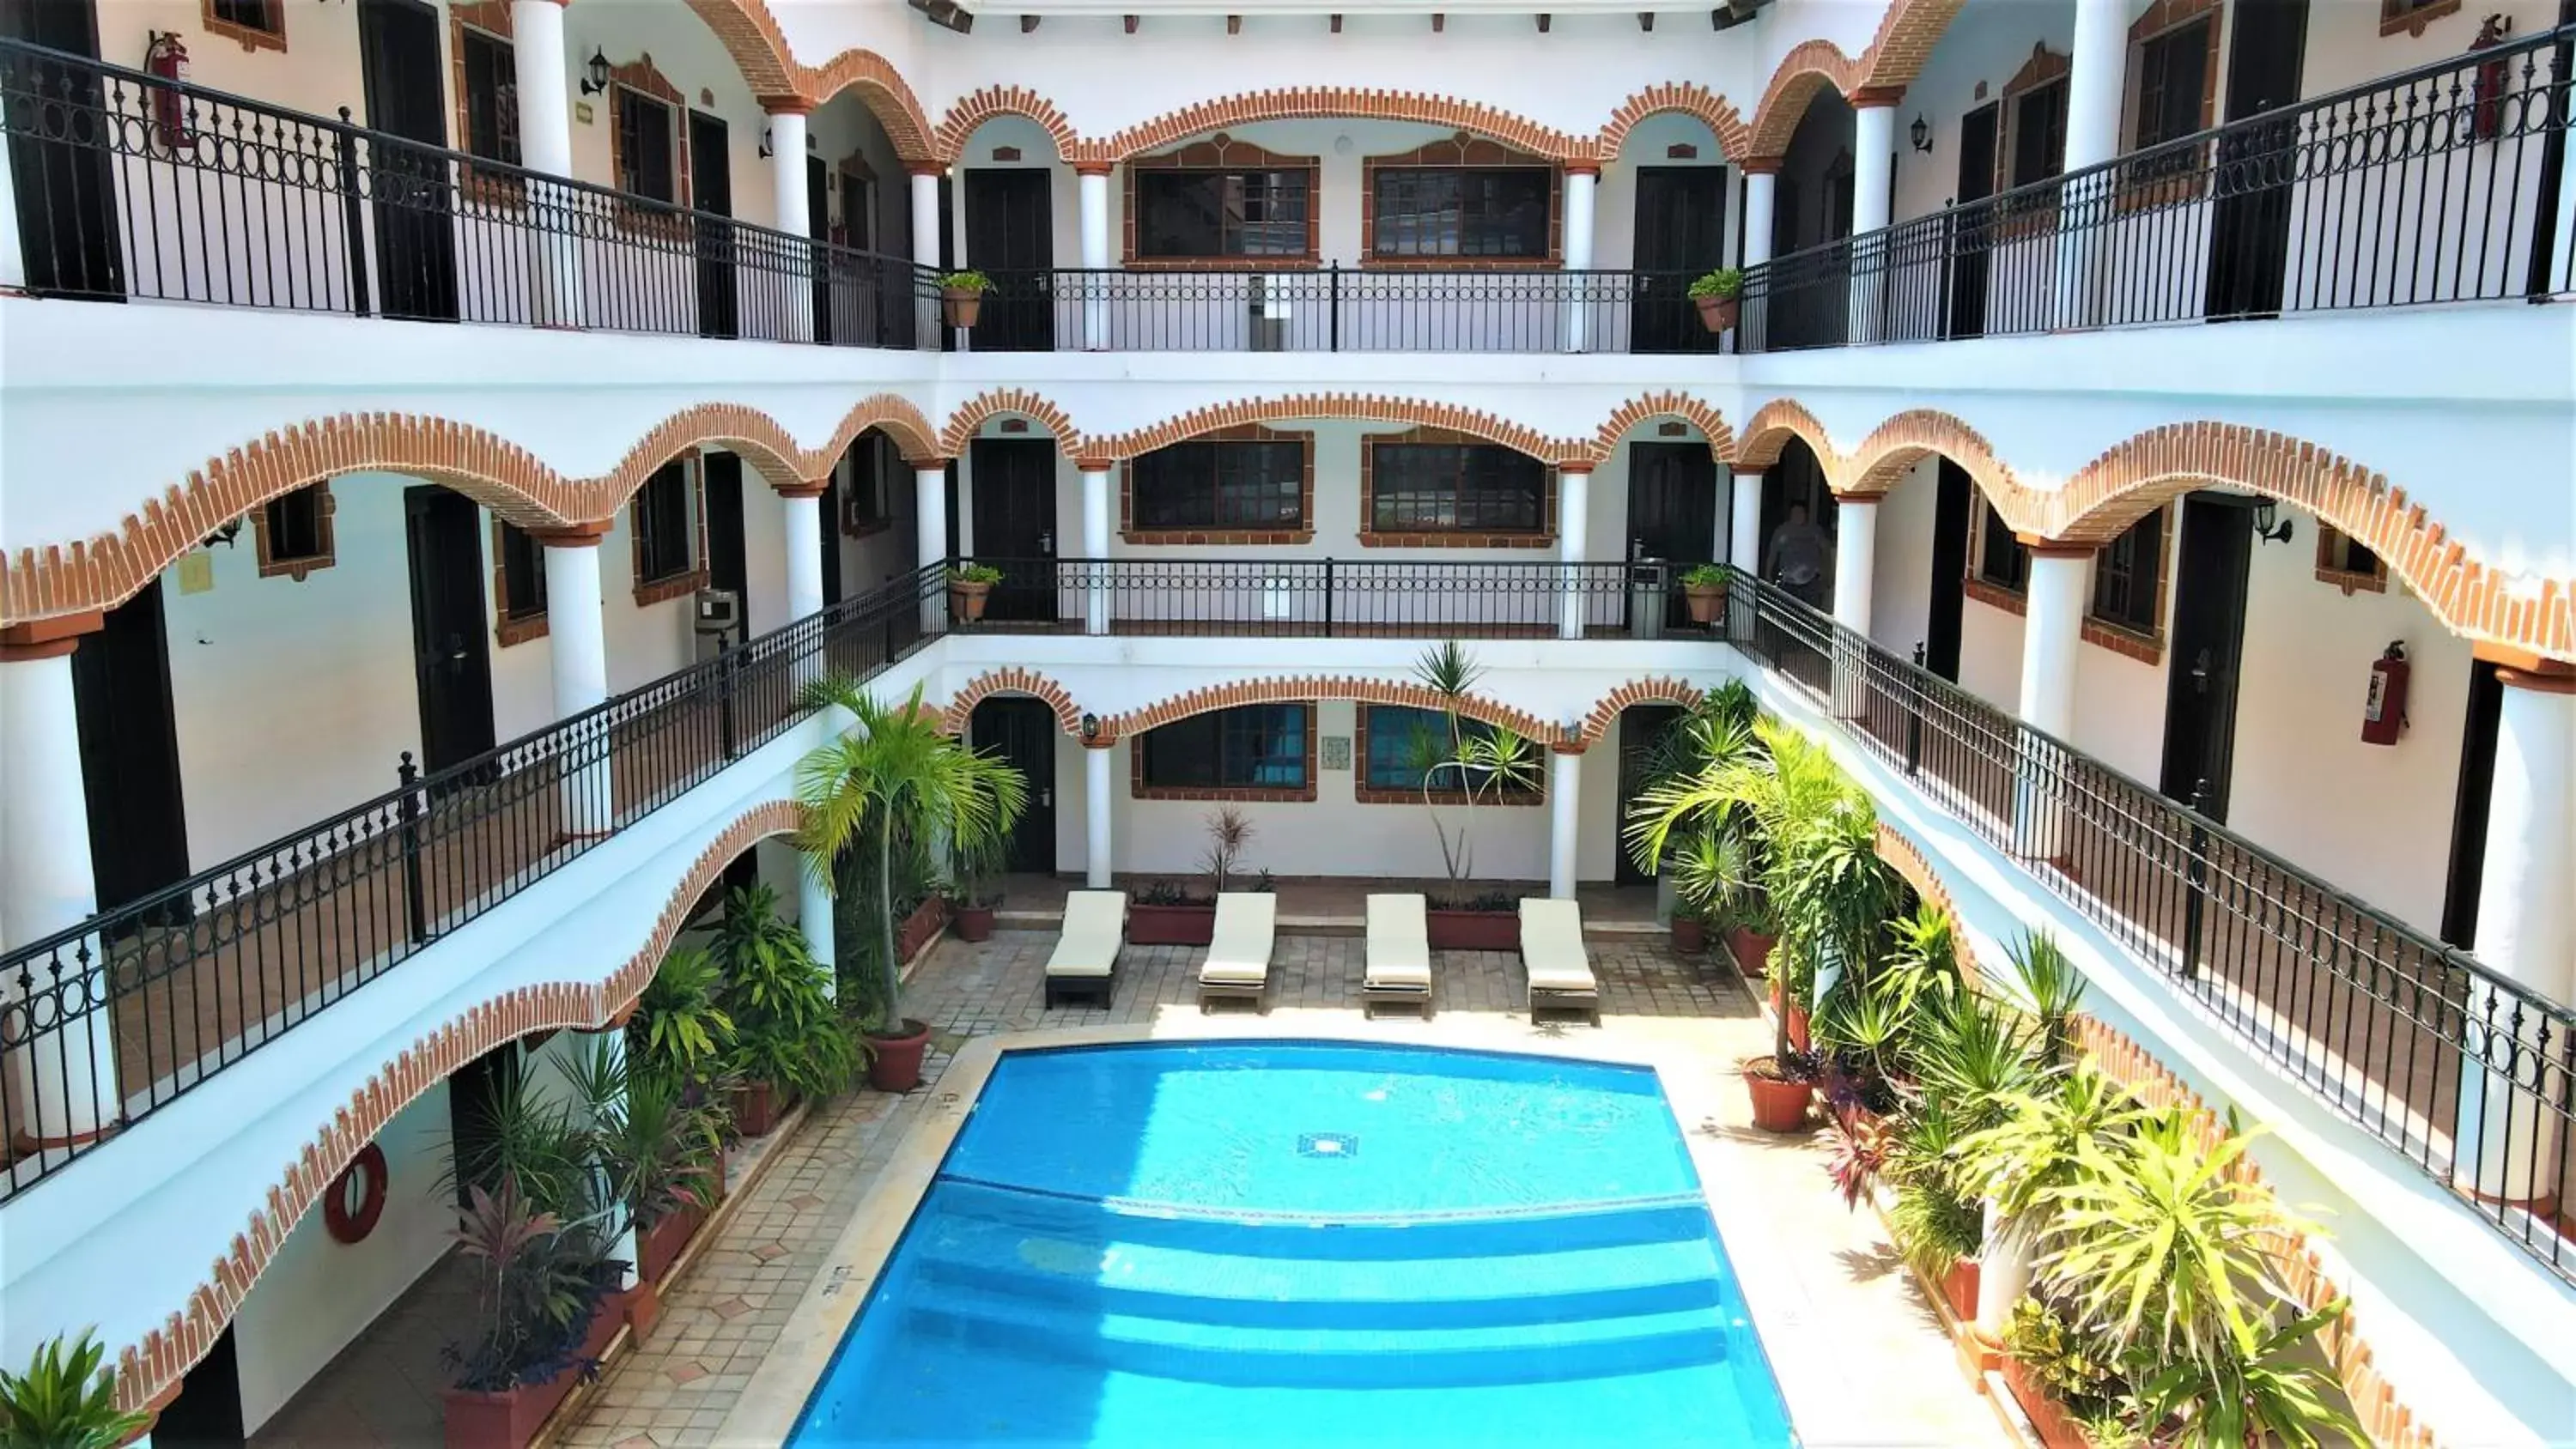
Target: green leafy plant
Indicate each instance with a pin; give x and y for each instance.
(975, 573)
(1975, 1056)
(2052, 989)
(895, 774)
(1691, 819)
(1724, 282)
(1705, 576)
(655, 1147)
(2272, 1389)
(66, 1399)
(2044, 1136)
(2077, 1368)
(531, 1140)
(677, 1025)
(787, 1032)
(1936, 1219)
(1466, 761)
(1228, 833)
(538, 1284)
(966, 281)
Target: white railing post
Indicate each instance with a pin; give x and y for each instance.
(925, 250)
(2055, 596)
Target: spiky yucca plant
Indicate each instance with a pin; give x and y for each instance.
(66, 1399)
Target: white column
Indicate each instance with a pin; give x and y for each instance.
(64, 1080)
(1573, 511)
(1873, 164)
(2508, 1137)
(1761, 179)
(1092, 190)
(1564, 808)
(577, 644)
(1097, 801)
(930, 539)
(1744, 529)
(2061, 581)
(542, 75)
(814, 920)
(804, 545)
(925, 249)
(788, 175)
(1095, 545)
(2098, 72)
(2003, 1274)
(1580, 184)
(1855, 561)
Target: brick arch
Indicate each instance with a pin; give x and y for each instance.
(1810, 68)
(146, 1370)
(1655, 689)
(1300, 103)
(1007, 402)
(897, 418)
(1734, 138)
(882, 90)
(753, 434)
(2471, 597)
(1895, 446)
(1695, 411)
(1906, 35)
(1278, 690)
(1772, 426)
(1363, 407)
(750, 34)
(1014, 680)
(971, 111)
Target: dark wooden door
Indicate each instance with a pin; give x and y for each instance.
(1023, 731)
(450, 648)
(1642, 728)
(1672, 512)
(818, 226)
(406, 90)
(65, 188)
(831, 505)
(207, 1414)
(1015, 524)
(1941, 625)
(129, 746)
(728, 566)
(2249, 218)
(1681, 233)
(711, 193)
(2208, 651)
(1010, 237)
(1971, 229)
(2469, 809)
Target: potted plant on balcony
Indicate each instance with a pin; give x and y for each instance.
(895, 773)
(969, 587)
(961, 297)
(1716, 295)
(540, 1284)
(1704, 592)
(789, 1041)
(66, 1399)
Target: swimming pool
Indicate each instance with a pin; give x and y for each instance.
(1277, 1242)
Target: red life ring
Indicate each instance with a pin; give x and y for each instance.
(350, 1224)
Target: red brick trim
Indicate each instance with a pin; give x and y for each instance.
(1314, 687)
(1137, 789)
(1891, 450)
(1371, 408)
(1367, 794)
(326, 552)
(649, 592)
(2147, 647)
(48, 638)
(881, 89)
(1701, 415)
(148, 1369)
(252, 38)
(1370, 537)
(790, 105)
(1464, 151)
(970, 417)
(972, 111)
(2045, 68)
(960, 708)
(641, 77)
(1656, 689)
(1224, 153)
(1304, 532)
(1894, 57)
(2373, 580)
(1734, 138)
(1996, 596)
(1337, 103)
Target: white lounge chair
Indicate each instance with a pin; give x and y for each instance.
(1238, 958)
(1085, 962)
(1399, 955)
(1560, 970)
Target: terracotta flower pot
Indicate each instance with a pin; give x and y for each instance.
(966, 598)
(1752, 952)
(1706, 602)
(1690, 935)
(757, 1108)
(1959, 1286)
(1779, 1104)
(919, 927)
(2057, 1429)
(1717, 313)
(894, 1062)
(1171, 925)
(960, 305)
(509, 1419)
(973, 923)
(1794, 1016)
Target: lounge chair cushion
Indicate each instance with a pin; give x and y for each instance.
(1399, 943)
(1552, 947)
(1239, 954)
(1095, 925)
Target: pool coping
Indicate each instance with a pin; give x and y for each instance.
(1692, 1083)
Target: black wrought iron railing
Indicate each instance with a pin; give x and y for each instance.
(1334, 308)
(2463, 1072)
(2438, 185)
(1335, 598)
(131, 186)
(106, 1023)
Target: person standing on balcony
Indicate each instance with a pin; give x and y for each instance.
(1800, 557)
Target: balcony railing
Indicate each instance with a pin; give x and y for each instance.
(2464, 1073)
(187, 981)
(2437, 185)
(129, 185)
(1324, 598)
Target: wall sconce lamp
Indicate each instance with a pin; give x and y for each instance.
(2269, 526)
(229, 535)
(1922, 135)
(594, 77)
(1091, 727)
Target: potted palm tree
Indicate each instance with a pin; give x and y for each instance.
(662, 1156)
(894, 772)
(1687, 826)
(977, 896)
(961, 297)
(1467, 763)
(970, 587)
(66, 1400)
(1716, 295)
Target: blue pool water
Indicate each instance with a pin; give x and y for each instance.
(1295, 1243)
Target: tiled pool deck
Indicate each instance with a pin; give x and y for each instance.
(1860, 1355)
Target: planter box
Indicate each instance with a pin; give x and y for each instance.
(1474, 930)
(917, 929)
(1172, 925)
(1959, 1286)
(658, 1247)
(1752, 952)
(2056, 1428)
(757, 1108)
(508, 1420)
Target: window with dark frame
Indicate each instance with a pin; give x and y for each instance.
(2038, 134)
(2127, 574)
(2343, 559)
(662, 548)
(1250, 747)
(1187, 215)
(295, 529)
(265, 17)
(1462, 212)
(523, 574)
(644, 149)
(1402, 745)
(2002, 559)
(491, 97)
(867, 501)
(1455, 487)
(2173, 81)
(1219, 484)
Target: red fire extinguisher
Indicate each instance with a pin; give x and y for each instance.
(2383, 714)
(168, 59)
(2486, 92)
